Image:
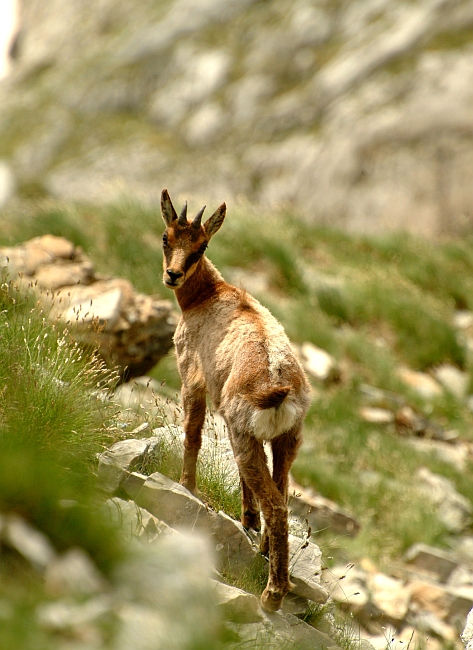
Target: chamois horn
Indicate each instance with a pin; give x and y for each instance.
(183, 216)
(198, 218)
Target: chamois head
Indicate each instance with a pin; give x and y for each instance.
(184, 242)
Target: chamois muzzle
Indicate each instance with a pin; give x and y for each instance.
(173, 276)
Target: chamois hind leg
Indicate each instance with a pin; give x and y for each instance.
(193, 399)
(250, 509)
(284, 450)
(251, 460)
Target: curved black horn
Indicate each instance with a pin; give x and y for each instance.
(182, 221)
(198, 218)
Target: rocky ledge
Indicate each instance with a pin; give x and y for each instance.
(130, 330)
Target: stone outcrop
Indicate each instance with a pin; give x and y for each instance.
(357, 112)
(130, 330)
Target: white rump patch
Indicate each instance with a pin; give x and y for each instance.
(270, 423)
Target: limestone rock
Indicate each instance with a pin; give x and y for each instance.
(453, 509)
(305, 569)
(73, 572)
(467, 634)
(404, 130)
(134, 521)
(421, 383)
(65, 616)
(170, 502)
(440, 563)
(453, 379)
(376, 415)
(229, 540)
(236, 604)
(29, 542)
(348, 586)
(319, 511)
(160, 580)
(390, 597)
(130, 330)
(122, 457)
(317, 362)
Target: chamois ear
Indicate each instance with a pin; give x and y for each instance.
(167, 208)
(214, 222)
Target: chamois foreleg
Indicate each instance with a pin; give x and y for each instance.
(284, 450)
(250, 509)
(193, 399)
(251, 460)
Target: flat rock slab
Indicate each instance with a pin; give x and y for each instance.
(122, 457)
(233, 548)
(135, 331)
(433, 560)
(319, 511)
(453, 509)
(305, 569)
(236, 604)
(135, 521)
(170, 502)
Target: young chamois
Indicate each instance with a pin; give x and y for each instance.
(230, 347)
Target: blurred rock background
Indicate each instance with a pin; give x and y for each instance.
(357, 113)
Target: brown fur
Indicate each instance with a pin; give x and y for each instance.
(230, 347)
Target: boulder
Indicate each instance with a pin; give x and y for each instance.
(28, 541)
(439, 563)
(116, 462)
(130, 330)
(454, 380)
(305, 569)
(320, 512)
(73, 573)
(170, 502)
(421, 383)
(230, 542)
(467, 634)
(236, 604)
(453, 509)
(376, 415)
(318, 363)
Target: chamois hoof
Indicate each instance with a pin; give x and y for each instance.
(271, 601)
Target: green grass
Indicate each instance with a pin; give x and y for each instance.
(51, 427)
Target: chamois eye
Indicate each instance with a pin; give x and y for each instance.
(165, 238)
(203, 247)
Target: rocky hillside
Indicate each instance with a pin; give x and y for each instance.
(355, 112)
(384, 328)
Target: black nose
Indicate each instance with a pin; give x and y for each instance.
(173, 275)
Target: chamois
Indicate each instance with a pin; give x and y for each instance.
(230, 347)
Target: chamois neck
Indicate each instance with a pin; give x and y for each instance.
(199, 286)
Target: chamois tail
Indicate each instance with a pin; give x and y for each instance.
(267, 399)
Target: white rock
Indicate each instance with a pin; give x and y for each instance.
(453, 509)
(420, 382)
(32, 544)
(376, 415)
(463, 319)
(7, 183)
(453, 379)
(390, 596)
(317, 362)
(467, 634)
(73, 572)
(305, 569)
(237, 604)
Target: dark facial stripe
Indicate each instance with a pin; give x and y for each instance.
(192, 259)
